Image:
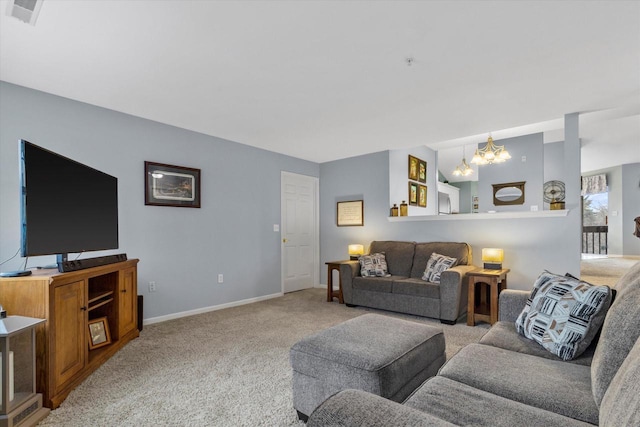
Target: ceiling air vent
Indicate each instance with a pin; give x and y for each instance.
(25, 10)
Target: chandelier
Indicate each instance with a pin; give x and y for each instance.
(463, 169)
(490, 153)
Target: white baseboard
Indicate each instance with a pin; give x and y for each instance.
(621, 256)
(172, 316)
(324, 286)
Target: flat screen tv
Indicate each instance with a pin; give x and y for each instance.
(66, 207)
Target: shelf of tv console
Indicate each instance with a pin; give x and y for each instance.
(99, 299)
(483, 215)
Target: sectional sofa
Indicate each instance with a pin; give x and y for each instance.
(403, 290)
(508, 380)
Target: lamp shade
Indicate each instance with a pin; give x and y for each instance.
(355, 251)
(492, 258)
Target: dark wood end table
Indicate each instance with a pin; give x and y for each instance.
(479, 308)
(331, 294)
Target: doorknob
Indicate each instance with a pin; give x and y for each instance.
(284, 240)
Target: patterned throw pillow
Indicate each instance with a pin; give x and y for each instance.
(374, 265)
(563, 314)
(436, 265)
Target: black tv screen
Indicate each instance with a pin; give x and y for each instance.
(67, 207)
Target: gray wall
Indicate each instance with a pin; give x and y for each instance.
(631, 208)
(531, 245)
(181, 249)
(513, 170)
(356, 178)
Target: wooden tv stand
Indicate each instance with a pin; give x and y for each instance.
(68, 301)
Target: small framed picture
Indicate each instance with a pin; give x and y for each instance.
(422, 171)
(413, 193)
(168, 185)
(422, 196)
(413, 167)
(99, 333)
(350, 213)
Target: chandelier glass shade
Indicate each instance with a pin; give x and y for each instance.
(490, 153)
(463, 169)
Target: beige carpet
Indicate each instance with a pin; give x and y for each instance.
(223, 368)
(605, 271)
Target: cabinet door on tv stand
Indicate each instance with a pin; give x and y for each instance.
(68, 339)
(127, 301)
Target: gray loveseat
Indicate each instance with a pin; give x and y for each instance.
(405, 291)
(507, 380)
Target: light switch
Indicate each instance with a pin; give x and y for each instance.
(276, 227)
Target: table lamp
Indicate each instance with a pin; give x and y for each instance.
(355, 251)
(492, 258)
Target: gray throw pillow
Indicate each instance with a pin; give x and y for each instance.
(563, 314)
(374, 265)
(436, 265)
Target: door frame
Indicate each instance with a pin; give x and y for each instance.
(316, 226)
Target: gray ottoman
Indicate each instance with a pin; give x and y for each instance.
(379, 354)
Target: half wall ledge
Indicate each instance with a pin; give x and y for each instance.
(474, 216)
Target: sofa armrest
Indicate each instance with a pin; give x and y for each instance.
(453, 291)
(350, 408)
(348, 270)
(511, 303)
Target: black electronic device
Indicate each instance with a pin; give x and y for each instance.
(81, 264)
(66, 207)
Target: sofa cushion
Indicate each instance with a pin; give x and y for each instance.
(556, 386)
(416, 287)
(423, 251)
(374, 265)
(619, 332)
(399, 255)
(620, 404)
(351, 408)
(463, 405)
(504, 335)
(563, 314)
(630, 280)
(436, 265)
(375, 284)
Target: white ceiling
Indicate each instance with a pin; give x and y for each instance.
(323, 80)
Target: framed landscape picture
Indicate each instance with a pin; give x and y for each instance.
(413, 193)
(422, 196)
(168, 185)
(414, 164)
(422, 171)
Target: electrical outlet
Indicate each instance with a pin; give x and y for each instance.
(220, 278)
(152, 286)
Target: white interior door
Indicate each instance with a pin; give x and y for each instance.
(299, 232)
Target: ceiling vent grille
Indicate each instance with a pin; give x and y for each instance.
(25, 10)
